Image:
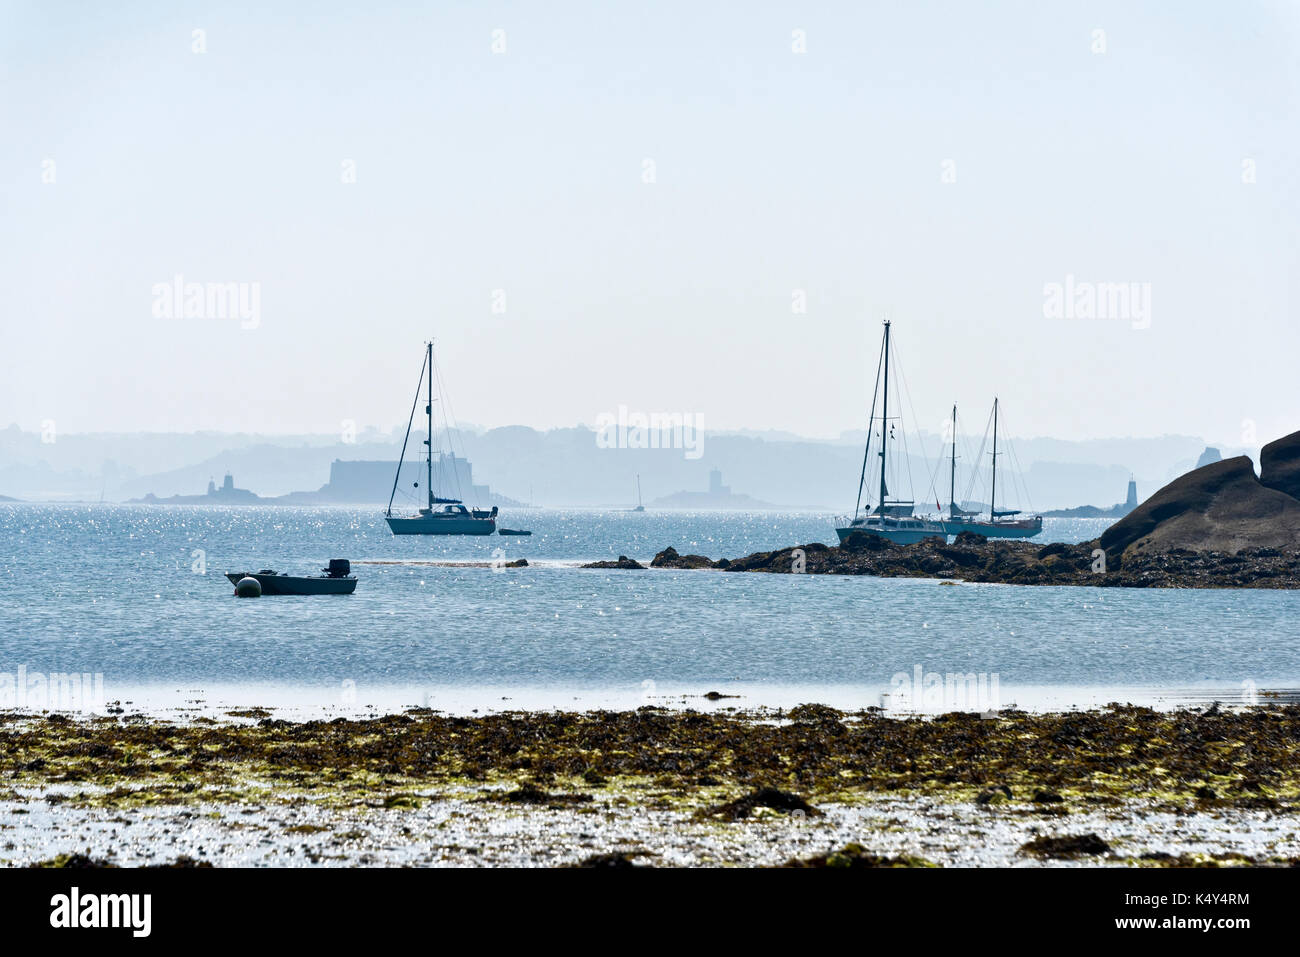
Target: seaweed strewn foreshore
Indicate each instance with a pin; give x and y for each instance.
(810, 786)
(973, 558)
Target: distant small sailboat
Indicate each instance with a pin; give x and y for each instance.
(891, 520)
(450, 517)
(639, 506)
(1001, 523)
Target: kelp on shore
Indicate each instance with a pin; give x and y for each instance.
(1186, 758)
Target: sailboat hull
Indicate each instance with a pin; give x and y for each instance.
(1024, 528)
(453, 518)
(440, 525)
(898, 531)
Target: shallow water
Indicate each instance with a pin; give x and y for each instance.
(137, 593)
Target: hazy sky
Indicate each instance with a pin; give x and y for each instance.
(939, 162)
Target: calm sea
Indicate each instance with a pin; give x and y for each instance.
(137, 594)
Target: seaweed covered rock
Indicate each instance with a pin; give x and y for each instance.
(859, 541)
(857, 856)
(623, 562)
(1066, 847)
(816, 557)
(997, 794)
(777, 800)
(669, 558)
(615, 860)
(976, 559)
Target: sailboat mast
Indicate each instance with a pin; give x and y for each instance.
(993, 494)
(884, 423)
(429, 441)
(401, 459)
(866, 447)
(952, 481)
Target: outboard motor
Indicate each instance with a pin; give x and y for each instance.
(338, 568)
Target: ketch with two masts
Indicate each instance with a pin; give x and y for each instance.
(1001, 523)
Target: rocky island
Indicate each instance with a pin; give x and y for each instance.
(1218, 526)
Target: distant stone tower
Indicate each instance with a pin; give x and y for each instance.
(1132, 500)
(1209, 457)
(228, 484)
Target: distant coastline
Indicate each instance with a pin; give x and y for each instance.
(560, 467)
(358, 482)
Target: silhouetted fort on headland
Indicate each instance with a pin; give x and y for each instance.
(361, 482)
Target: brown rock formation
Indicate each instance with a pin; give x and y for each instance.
(1221, 507)
(1218, 526)
(630, 564)
(1279, 465)
(669, 558)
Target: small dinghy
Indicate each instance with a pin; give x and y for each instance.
(512, 531)
(337, 580)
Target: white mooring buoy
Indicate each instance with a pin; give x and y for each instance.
(248, 587)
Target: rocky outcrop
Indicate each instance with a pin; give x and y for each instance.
(815, 554)
(1221, 507)
(669, 558)
(1279, 465)
(1218, 526)
(970, 558)
(623, 562)
(974, 559)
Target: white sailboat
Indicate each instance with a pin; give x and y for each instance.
(890, 519)
(441, 516)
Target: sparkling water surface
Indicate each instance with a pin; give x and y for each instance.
(137, 593)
